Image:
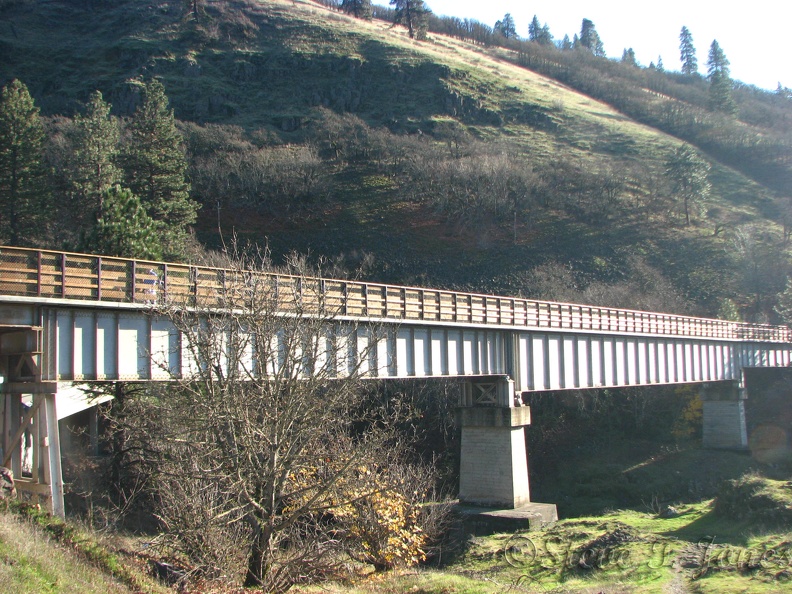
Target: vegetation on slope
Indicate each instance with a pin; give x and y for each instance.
(429, 162)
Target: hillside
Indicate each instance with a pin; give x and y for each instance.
(441, 162)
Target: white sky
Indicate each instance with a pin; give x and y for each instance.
(754, 35)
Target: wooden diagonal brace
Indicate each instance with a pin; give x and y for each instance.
(24, 425)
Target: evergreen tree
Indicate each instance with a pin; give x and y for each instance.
(93, 170)
(720, 83)
(125, 229)
(540, 34)
(689, 176)
(533, 29)
(628, 57)
(360, 9)
(660, 66)
(590, 39)
(687, 53)
(155, 167)
(413, 14)
(506, 27)
(566, 44)
(23, 187)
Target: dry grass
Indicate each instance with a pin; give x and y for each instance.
(31, 562)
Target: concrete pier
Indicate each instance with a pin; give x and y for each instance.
(724, 425)
(494, 460)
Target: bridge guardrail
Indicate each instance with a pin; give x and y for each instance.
(49, 274)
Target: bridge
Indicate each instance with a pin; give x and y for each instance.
(70, 318)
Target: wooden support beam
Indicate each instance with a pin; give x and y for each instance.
(55, 472)
(14, 442)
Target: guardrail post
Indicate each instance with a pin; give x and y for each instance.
(63, 275)
(99, 278)
(38, 275)
(133, 281)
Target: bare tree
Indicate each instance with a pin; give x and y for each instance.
(263, 457)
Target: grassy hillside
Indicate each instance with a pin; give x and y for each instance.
(547, 192)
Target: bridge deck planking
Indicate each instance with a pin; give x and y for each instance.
(89, 278)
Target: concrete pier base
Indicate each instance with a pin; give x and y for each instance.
(483, 521)
(724, 425)
(494, 462)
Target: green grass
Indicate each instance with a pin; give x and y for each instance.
(40, 553)
(622, 551)
(31, 563)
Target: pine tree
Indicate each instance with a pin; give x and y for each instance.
(125, 229)
(628, 57)
(533, 29)
(660, 66)
(413, 14)
(155, 166)
(540, 34)
(93, 170)
(720, 83)
(360, 9)
(566, 44)
(687, 53)
(23, 187)
(506, 27)
(590, 39)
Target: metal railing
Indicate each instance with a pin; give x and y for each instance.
(62, 275)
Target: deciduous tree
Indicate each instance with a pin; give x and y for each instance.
(261, 457)
(23, 186)
(689, 175)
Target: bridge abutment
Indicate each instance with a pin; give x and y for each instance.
(724, 425)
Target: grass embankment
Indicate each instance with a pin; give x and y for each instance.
(39, 553)
(738, 541)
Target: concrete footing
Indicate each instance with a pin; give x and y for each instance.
(483, 521)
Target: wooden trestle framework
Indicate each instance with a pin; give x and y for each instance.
(28, 418)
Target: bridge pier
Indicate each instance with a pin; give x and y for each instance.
(724, 425)
(28, 418)
(494, 462)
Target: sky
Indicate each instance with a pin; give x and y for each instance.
(753, 35)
